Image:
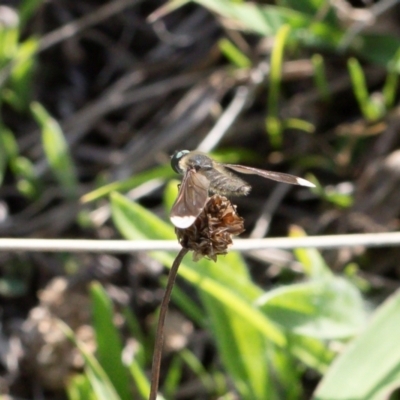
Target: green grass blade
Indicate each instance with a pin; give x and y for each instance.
(22, 74)
(377, 48)
(286, 370)
(311, 259)
(163, 172)
(298, 124)
(142, 354)
(264, 20)
(197, 368)
(273, 124)
(27, 8)
(370, 111)
(9, 36)
(141, 381)
(242, 348)
(310, 7)
(320, 80)
(101, 384)
(173, 377)
(187, 305)
(312, 352)
(56, 150)
(79, 388)
(28, 183)
(233, 54)
(370, 366)
(359, 86)
(389, 90)
(109, 346)
(8, 142)
(8, 149)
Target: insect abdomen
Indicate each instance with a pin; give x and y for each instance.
(227, 184)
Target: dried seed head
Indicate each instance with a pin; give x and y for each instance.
(211, 233)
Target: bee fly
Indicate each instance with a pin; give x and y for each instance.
(201, 174)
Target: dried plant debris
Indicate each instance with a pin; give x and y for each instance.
(378, 193)
(48, 354)
(211, 233)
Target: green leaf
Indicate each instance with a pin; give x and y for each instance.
(187, 305)
(370, 366)
(8, 143)
(240, 345)
(21, 77)
(3, 157)
(233, 54)
(141, 381)
(274, 126)
(162, 172)
(109, 346)
(56, 150)
(306, 29)
(100, 382)
(142, 354)
(28, 183)
(27, 8)
(311, 7)
(376, 48)
(195, 365)
(9, 36)
(267, 20)
(390, 87)
(324, 309)
(79, 388)
(286, 370)
(12, 287)
(298, 124)
(340, 197)
(313, 263)
(320, 79)
(370, 110)
(312, 352)
(173, 377)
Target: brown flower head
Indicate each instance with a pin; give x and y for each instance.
(211, 233)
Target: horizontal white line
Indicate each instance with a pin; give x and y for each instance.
(127, 246)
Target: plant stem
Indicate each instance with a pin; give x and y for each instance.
(158, 346)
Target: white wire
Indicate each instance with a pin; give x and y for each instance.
(389, 239)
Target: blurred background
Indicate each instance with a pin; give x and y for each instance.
(96, 96)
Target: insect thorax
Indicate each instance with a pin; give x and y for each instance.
(198, 161)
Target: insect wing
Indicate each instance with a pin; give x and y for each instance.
(275, 176)
(192, 198)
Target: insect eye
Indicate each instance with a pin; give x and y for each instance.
(177, 156)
